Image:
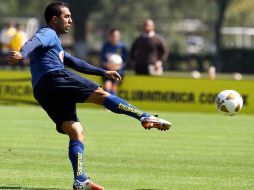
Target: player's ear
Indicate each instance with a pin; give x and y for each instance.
(54, 19)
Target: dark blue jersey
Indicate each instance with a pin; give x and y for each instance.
(47, 55)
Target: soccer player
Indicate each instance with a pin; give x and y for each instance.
(113, 47)
(58, 90)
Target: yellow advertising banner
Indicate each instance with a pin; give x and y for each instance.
(177, 94)
(16, 90)
(145, 92)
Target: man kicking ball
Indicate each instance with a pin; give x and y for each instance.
(58, 90)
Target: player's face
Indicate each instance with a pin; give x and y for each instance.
(64, 21)
(115, 37)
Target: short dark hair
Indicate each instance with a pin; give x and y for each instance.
(53, 9)
(112, 30)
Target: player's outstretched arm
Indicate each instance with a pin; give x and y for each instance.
(82, 66)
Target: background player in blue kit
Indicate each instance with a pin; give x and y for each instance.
(113, 57)
(58, 90)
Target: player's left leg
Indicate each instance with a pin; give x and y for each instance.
(120, 106)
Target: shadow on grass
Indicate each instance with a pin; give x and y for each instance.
(28, 188)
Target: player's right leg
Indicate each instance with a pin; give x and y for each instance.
(87, 185)
(120, 106)
(58, 93)
(76, 154)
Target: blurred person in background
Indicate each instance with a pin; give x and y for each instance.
(17, 41)
(148, 51)
(6, 35)
(113, 57)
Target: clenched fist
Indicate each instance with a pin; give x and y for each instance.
(14, 57)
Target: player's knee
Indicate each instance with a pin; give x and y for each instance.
(98, 96)
(74, 130)
(100, 92)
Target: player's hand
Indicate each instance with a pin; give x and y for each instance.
(14, 57)
(113, 75)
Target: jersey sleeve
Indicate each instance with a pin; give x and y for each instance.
(47, 37)
(30, 46)
(82, 66)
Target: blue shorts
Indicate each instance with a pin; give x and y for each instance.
(58, 92)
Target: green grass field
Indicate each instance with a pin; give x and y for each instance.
(201, 151)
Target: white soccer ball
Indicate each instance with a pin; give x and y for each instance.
(115, 59)
(229, 102)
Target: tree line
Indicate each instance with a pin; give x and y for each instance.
(127, 15)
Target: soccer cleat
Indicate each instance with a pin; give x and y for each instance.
(87, 185)
(155, 122)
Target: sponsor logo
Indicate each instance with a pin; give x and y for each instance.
(61, 56)
(130, 109)
(80, 164)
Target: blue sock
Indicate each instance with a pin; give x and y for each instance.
(76, 155)
(118, 105)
